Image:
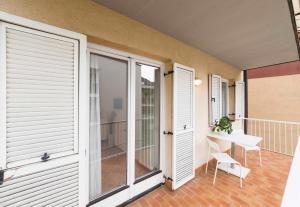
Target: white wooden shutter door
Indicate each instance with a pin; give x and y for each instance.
(183, 126)
(239, 99)
(41, 87)
(215, 98)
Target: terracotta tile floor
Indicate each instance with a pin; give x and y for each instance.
(114, 172)
(262, 187)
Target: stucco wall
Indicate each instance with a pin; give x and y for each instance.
(276, 98)
(109, 28)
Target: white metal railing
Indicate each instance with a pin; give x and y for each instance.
(278, 136)
(114, 135)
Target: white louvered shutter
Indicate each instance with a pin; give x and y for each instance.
(239, 99)
(41, 87)
(53, 187)
(183, 126)
(215, 90)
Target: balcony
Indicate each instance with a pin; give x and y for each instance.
(264, 186)
(99, 105)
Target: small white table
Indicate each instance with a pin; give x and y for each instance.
(236, 139)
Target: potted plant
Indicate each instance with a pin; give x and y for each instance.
(224, 126)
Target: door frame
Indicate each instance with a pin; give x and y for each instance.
(132, 189)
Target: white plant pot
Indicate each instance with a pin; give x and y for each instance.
(222, 133)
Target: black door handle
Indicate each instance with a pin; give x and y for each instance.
(45, 157)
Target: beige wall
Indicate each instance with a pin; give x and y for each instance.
(276, 98)
(106, 27)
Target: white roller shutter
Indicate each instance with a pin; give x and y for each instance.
(52, 187)
(239, 99)
(215, 90)
(183, 126)
(40, 88)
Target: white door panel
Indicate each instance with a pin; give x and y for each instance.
(183, 126)
(239, 99)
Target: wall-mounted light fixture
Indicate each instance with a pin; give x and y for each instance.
(197, 81)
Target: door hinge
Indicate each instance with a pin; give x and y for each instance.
(167, 178)
(168, 133)
(1, 177)
(168, 73)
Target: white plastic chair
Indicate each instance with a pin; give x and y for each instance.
(245, 148)
(221, 158)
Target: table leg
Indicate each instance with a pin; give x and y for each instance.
(232, 153)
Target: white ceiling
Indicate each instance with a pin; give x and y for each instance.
(244, 33)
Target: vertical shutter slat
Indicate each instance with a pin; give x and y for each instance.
(184, 93)
(41, 81)
(184, 156)
(215, 98)
(239, 99)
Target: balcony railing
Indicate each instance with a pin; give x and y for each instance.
(278, 136)
(114, 141)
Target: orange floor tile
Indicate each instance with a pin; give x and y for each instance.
(264, 186)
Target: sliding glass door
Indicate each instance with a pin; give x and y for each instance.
(147, 127)
(108, 124)
(125, 127)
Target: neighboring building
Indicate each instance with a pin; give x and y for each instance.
(273, 92)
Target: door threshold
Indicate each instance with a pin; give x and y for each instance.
(140, 195)
(147, 176)
(107, 195)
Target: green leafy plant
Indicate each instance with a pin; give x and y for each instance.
(223, 125)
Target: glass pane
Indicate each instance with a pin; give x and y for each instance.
(108, 124)
(147, 120)
(224, 99)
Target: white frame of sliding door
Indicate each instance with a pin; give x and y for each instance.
(133, 189)
(123, 195)
(154, 180)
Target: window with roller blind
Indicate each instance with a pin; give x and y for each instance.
(39, 87)
(39, 125)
